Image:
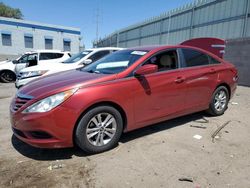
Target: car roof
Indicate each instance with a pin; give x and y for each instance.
(104, 48)
(155, 47)
(165, 47)
(45, 51)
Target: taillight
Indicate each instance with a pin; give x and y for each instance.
(235, 74)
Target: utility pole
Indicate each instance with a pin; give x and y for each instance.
(97, 23)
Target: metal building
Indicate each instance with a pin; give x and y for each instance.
(19, 36)
(227, 19)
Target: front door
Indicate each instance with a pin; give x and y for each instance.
(24, 61)
(160, 94)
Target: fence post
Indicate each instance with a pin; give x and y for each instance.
(192, 22)
(244, 31)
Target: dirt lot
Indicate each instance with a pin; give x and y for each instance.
(156, 156)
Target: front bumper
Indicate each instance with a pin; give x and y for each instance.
(19, 83)
(52, 129)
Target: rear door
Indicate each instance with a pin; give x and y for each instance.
(200, 77)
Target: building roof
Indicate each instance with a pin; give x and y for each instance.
(38, 25)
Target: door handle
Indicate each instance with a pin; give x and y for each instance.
(179, 80)
(212, 71)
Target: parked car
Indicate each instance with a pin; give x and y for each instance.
(9, 69)
(91, 107)
(79, 60)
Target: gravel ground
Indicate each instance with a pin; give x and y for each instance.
(156, 156)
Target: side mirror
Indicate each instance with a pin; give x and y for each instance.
(15, 62)
(146, 69)
(87, 61)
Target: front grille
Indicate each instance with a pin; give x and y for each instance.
(40, 135)
(19, 133)
(20, 100)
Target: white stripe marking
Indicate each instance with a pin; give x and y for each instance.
(218, 46)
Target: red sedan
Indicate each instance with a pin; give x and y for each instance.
(91, 107)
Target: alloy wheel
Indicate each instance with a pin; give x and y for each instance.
(101, 129)
(220, 100)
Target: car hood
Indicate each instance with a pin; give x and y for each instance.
(7, 65)
(54, 83)
(5, 62)
(51, 67)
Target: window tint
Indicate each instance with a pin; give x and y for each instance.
(6, 39)
(99, 55)
(66, 46)
(47, 56)
(165, 61)
(28, 41)
(194, 58)
(48, 43)
(213, 61)
(58, 55)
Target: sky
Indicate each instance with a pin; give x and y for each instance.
(113, 14)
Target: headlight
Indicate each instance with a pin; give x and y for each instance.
(49, 103)
(30, 74)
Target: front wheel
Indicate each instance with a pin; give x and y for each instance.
(219, 101)
(99, 129)
(7, 76)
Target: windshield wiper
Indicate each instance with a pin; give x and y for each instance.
(91, 71)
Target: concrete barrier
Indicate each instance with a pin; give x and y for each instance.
(238, 52)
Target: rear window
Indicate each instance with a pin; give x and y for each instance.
(213, 61)
(47, 56)
(99, 55)
(194, 58)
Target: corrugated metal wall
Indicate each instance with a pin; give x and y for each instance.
(225, 19)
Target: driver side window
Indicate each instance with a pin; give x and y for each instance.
(165, 61)
(32, 60)
(23, 59)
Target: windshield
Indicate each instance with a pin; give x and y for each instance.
(115, 62)
(77, 57)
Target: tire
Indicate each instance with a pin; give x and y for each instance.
(7, 76)
(219, 101)
(110, 131)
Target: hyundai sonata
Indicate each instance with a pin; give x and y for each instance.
(91, 107)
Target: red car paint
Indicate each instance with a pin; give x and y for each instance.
(160, 96)
(213, 45)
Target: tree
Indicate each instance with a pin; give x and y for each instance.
(9, 12)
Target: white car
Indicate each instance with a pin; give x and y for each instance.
(9, 69)
(76, 61)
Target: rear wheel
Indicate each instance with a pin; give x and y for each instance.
(7, 76)
(219, 101)
(99, 129)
